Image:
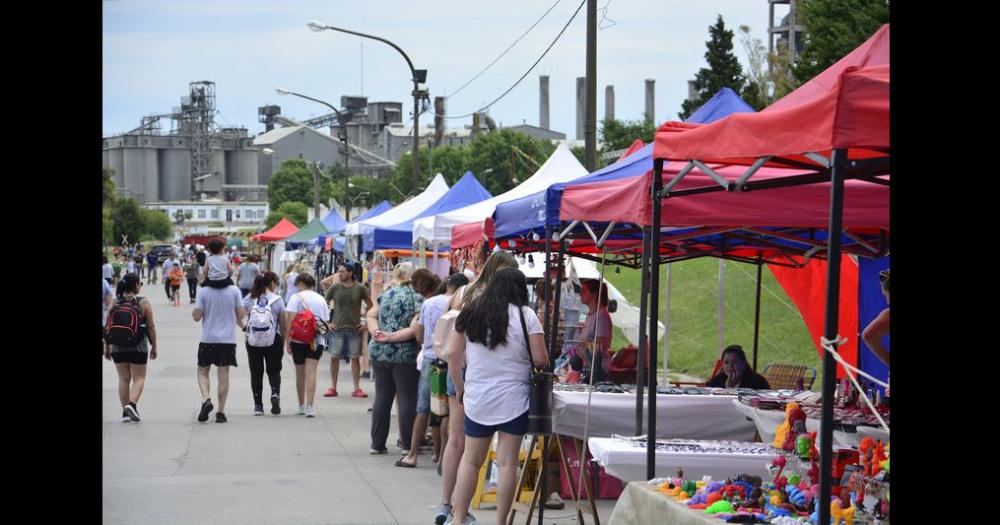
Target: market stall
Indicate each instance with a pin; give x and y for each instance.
(625, 458)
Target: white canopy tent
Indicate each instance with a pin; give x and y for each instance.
(405, 211)
(562, 166)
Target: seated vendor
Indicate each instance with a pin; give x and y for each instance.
(597, 329)
(736, 372)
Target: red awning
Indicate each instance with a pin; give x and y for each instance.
(283, 230)
(469, 234)
(846, 106)
(866, 205)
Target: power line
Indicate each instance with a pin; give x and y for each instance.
(506, 50)
(526, 73)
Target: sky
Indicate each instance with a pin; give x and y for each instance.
(152, 49)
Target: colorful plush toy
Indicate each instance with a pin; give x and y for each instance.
(867, 449)
(781, 432)
(720, 507)
(713, 497)
(797, 424)
(779, 463)
(839, 514)
(796, 496)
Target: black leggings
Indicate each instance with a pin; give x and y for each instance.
(392, 379)
(192, 286)
(258, 356)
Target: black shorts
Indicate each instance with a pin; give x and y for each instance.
(175, 286)
(302, 351)
(134, 357)
(218, 354)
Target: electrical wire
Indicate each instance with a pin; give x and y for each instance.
(526, 73)
(497, 59)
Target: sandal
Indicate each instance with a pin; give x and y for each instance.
(403, 464)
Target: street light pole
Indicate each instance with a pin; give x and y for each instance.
(342, 118)
(418, 76)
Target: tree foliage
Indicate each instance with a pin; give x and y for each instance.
(770, 75)
(127, 220)
(833, 29)
(156, 224)
(293, 182)
(294, 211)
(723, 69)
(620, 134)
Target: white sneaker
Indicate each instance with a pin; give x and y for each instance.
(310, 411)
(469, 520)
(302, 410)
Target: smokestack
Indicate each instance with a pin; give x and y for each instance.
(581, 105)
(650, 93)
(692, 91)
(609, 103)
(543, 101)
(438, 120)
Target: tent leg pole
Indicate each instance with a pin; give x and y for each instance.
(549, 323)
(666, 320)
(654, 315)
(756, 318)
(830, 329)
(640, 369)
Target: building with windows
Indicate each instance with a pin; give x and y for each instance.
(215, 212)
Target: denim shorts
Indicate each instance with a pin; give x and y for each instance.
(452, 392)
(345, 341)
(517, 426)
(424, 387)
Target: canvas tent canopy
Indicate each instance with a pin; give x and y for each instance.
(284, 229)
(561, 166)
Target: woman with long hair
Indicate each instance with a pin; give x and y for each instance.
(130, 362)
(306, 354)
(263, 294)
(501, 339)
(736, 372)
(394, 364)
(455, 442)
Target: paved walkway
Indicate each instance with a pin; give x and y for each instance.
(266, 469)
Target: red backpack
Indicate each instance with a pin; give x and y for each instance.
(303, 329)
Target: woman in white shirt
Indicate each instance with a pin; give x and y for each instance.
(494, 392)
(306, 356)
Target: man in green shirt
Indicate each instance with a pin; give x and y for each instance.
(345, 300)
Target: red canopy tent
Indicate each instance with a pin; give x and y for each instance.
(837, 127)
(283, 230)
(469, 234)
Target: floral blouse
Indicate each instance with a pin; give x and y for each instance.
(396, 308)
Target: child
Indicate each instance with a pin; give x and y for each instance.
(217, 267)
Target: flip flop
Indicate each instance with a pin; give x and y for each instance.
(403, 464)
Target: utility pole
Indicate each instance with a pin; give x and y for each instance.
(590, 124)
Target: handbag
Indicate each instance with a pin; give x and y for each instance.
(539, 393)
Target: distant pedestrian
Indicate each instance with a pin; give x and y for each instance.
(191, 273)
(305, 343)
(107, 300)
(154, 262)
(218, 272)
(346, 297)
(218, 310)
(176, 278)
(168, 265)
(267, 329)
(107, 270)
(130, 340)
(247, 274)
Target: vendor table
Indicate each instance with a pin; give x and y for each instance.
(677, 416)
(767, 421)
(643, 504)
(626, 461)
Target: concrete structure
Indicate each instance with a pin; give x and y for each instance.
(153, 168)
(538, 133)
(650, 113)
(609, 103)
(311, 145)
(543, 101)
(581, 105)
(789, 30)
(215, 212)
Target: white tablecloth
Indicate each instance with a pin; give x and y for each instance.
(677, 416)
(641, 504)
(767, 421)
(627, 462)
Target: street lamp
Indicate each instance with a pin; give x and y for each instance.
(342, 118)
(419, 77)
(355, 199)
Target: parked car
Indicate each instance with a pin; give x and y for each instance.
(162, 251)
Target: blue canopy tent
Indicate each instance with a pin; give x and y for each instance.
(379, 209)
(400, 236)
(530, 214)
(338, 239)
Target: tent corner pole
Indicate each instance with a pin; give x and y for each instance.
(654, 307)
(839, 163)
(640, 370)
(756, 318)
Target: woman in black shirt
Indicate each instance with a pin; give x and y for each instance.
(736, 372)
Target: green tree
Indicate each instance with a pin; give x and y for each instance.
(294, 182)
(496, 151)
(833, 29)
(108, 199)
(620, 134)
(294, 211)
(127, 219)
(108, 174)
(723, 70)
(580, 153)
(156, 225)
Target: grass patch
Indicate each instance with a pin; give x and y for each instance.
(784, 337)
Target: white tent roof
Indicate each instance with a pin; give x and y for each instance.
(562, 166)
(405, 211)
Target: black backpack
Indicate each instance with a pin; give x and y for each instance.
(126, 325)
